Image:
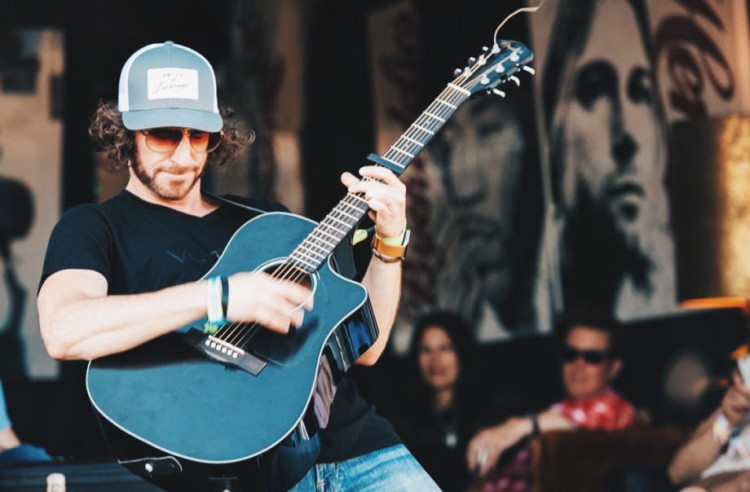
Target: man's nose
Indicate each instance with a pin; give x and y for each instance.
(183, 150)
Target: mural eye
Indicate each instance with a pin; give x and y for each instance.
(640, 86)
(595, 80)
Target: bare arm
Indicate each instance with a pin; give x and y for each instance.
(386, 197)
(485, 449)
(702, 449)
(79, 320)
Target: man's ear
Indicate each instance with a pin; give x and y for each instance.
(614, 368)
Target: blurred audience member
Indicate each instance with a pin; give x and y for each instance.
(12, 450)
(717, 455)
(590, 362)
(444, 409)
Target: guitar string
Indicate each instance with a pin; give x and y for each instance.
(292, 272)
(518, 11)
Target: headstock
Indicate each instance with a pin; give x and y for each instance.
(494, 67)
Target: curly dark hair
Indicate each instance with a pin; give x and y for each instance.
(110, 135)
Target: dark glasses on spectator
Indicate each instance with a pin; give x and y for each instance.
(570, 354)
(164, 140)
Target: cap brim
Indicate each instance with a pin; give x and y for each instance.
(181, 118)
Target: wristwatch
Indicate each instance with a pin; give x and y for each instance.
(390, 252)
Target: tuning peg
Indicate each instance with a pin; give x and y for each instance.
(485, 49)
(472, 60)
(498, 92)
(457, 72)
(499, 68)
(495, 48)
(485, 80)
(514, 57)
(529, 69)
(515, 79)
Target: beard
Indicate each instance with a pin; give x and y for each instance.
(172, 190)
(598, 255)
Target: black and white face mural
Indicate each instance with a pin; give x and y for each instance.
(606, 159)
(486, 216)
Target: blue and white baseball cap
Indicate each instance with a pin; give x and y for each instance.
(167, 84)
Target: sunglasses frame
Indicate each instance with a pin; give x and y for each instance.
(593, 357)
(185, 132)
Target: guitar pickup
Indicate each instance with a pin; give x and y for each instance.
(226, 353)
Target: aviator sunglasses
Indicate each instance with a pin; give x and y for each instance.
(163, 140)
(570, 354)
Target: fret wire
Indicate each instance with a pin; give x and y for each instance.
(311, 266)
(347, 214)
(310, 244)
(343, 207)
(302, 253)
(434, 116)
(392, 158)
(407, 146)
(317, 258)
(415, 142)
(452, 106)
(310, 261)
(339, 220)
(411, 156)
(423, 128)
(322, 230)
(458, 88)
(356, 207)
(336, 216)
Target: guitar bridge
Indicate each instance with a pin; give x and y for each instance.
(224, 352)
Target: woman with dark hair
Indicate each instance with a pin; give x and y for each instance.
(443, 411)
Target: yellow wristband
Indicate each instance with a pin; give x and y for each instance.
(394, 241)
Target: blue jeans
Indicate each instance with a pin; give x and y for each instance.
(391, 469)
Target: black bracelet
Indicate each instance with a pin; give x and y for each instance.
(224, 294)
(534, 425)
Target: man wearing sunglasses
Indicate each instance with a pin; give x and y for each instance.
(590, 361)
(126, 271)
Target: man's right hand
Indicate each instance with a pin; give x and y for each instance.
(276, 304)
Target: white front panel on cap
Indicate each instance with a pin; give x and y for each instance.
(168, 83)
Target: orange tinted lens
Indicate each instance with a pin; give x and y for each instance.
(163, 139)
(204, 141)
(199, 139)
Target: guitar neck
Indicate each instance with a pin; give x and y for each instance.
(345, 216)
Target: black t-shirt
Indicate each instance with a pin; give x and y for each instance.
(141, 247)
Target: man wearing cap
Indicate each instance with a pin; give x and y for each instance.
(126, 271)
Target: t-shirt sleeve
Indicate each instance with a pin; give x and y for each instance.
(80, 240)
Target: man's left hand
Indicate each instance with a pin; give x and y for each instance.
(385, 194)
